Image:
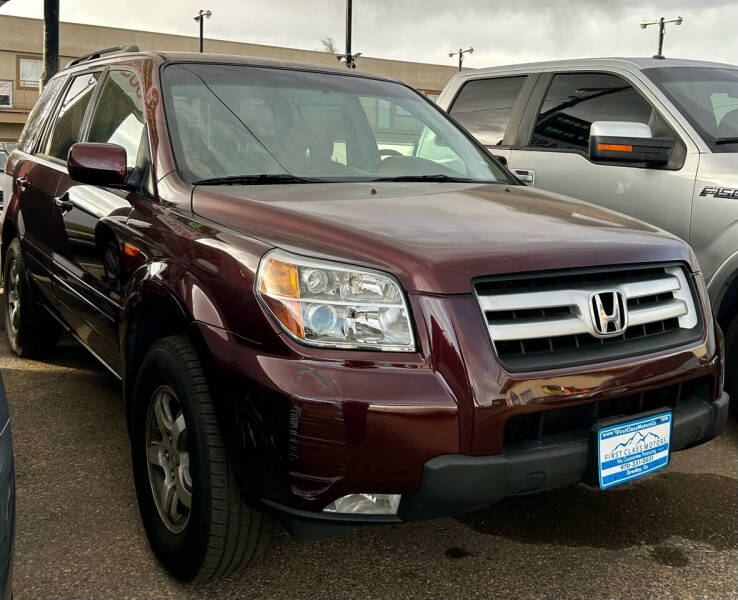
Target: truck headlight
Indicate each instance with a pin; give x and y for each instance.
(327, 304)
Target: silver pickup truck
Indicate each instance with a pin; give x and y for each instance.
(653, 138)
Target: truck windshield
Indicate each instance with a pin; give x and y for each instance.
(707, 97)
(259, 125)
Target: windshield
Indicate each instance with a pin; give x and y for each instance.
(250, 123)
(707, 97)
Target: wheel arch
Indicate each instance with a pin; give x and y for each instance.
(153, 311)
(723, 289)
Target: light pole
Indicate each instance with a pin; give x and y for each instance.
(201, 16)
(51, 40)
(461, 55)
(348, 58)
(662, 30)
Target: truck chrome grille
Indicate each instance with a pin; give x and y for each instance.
(541, 321)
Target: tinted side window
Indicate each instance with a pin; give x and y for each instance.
(575, 100)
(119, 116)
(484, 106)
(36, 119)
(71, 114)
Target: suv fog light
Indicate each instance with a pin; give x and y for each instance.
(368, 504)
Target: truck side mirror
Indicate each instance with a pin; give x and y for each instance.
(626, 142)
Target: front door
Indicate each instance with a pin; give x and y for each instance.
(88, 259)
(553, 153)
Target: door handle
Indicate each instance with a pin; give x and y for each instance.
(64, 203)
(527, 176)
(22, 183)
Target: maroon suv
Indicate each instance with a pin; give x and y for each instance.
(327, 303)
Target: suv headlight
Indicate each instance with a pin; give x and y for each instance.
(327, 304)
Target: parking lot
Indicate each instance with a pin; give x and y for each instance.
(78, 534)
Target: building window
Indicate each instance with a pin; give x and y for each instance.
(6, 94)
(29, 72)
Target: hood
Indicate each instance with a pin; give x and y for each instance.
(437, 237)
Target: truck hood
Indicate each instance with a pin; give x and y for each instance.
(436, 237)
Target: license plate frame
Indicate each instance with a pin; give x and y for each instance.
(633, 449)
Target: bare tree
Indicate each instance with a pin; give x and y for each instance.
(329, 45)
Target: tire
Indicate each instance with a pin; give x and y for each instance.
(31, 331)
(218, 533)
(731, 364)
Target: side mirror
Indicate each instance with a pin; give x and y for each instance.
(98, 164)
(622, 141)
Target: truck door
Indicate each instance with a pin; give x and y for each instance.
(551, 149)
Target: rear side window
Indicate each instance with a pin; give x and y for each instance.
(483, 106)
(71, 115)
(575, 100)
(119, 116)
(37, 117)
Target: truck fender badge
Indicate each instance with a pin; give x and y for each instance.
(720, 192)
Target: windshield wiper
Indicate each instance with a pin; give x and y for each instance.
(263, 179)
(439, 177)
(726, 140)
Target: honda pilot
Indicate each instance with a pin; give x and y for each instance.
(328, 305)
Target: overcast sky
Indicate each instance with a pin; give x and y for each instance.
(501, 32)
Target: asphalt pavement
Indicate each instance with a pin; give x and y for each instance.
(671, 535)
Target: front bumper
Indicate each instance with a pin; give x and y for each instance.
(454, 484)
(304, 427)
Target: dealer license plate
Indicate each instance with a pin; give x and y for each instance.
(630, 450)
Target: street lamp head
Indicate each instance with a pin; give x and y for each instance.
(678, 21)
(451, 54)
(203, 13)
(471, 50)
(208, 13)
(644, 25)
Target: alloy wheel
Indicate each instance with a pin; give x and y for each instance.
(13, 319)
(168, 459)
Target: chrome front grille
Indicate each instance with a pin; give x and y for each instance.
(549, 320)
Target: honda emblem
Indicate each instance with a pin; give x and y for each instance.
(609, 313)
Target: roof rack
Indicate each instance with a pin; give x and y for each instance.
(99, 53)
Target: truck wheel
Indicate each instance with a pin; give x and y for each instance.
(195, 517)
(30, 329)
(731, 364)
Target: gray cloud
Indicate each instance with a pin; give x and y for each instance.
(425, 30)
